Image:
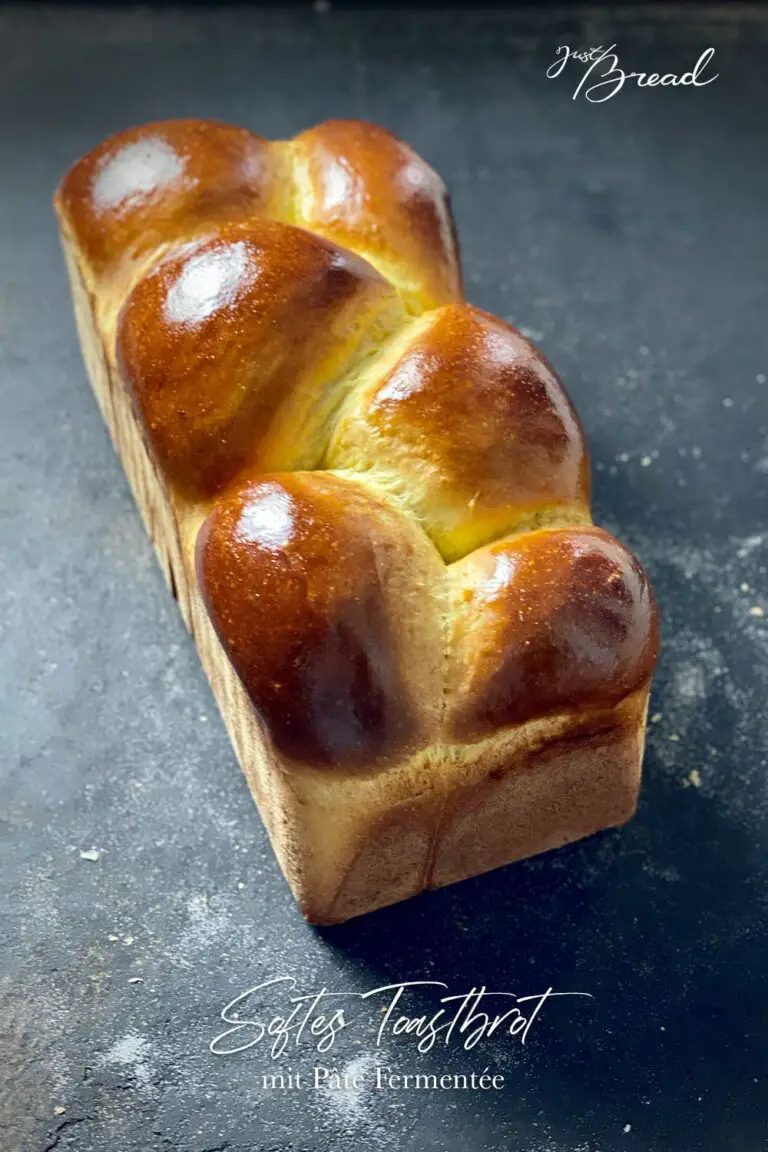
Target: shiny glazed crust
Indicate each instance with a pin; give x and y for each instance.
(371, 500)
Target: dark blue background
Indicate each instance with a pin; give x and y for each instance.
(629, 239)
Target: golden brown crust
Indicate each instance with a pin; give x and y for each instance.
(227, 331)
(306, 578)
(461, 716)
(473, 428)
(549, 622)
(153, 184)
(367, 190)
(306, 575)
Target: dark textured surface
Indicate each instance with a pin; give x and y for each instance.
(630, 240)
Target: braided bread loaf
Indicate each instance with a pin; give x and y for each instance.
(370, 499)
